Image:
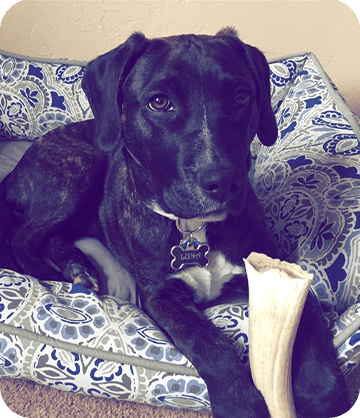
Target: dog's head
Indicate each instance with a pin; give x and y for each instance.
(184, 110)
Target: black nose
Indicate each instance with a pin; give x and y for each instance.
(218, 184)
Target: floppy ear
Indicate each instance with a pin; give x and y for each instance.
(102, 84)
(267, 129)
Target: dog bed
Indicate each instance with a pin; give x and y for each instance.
(65, 336)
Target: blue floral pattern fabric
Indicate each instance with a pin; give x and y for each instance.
(72, 313)
(36, 97)
(308, 183)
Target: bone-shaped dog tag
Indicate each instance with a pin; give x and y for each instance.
(191, 255)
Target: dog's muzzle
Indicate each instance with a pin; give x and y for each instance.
(218, 185)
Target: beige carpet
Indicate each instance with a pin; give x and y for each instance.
(31, 400)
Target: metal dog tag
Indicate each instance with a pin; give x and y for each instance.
(190, 251)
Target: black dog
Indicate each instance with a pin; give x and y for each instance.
(174, 119)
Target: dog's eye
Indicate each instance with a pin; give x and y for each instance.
(242, 98)
(160, 103)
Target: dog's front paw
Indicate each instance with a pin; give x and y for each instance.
(240, 404)
(79, 274)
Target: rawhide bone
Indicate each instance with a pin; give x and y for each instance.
(277, 294)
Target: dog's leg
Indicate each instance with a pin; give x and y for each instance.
(7, 260)
(319, 386)
(27, 247)
(32, 242)
(232, 393)
(75, 266)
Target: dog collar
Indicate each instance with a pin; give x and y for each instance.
(187, 232)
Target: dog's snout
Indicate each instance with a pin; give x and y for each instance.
(218, 184)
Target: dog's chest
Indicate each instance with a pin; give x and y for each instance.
(208, 281)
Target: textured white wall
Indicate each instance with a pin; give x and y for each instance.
(85, 29)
